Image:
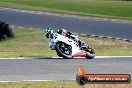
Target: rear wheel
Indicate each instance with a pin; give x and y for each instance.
(63, 50)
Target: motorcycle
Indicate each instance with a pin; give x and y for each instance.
(68, 48)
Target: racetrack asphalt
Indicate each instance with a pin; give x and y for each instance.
(75, 24)
(60, 69)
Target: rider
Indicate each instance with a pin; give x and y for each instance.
(49, 33)
(64, 32)
(69, 35)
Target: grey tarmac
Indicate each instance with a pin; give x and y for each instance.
(60, 69)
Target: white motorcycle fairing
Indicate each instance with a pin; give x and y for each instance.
(76, 52)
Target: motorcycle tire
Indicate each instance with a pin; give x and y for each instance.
(61, 53)
(91, 54)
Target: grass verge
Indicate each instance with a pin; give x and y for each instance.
(33, 43)
(94, 8)
(60, 84)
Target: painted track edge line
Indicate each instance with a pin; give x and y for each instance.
(38, 80)
(28, 81)
(19, 58)
(61, 57)
(112, 56)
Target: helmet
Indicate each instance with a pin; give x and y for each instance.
(59, 31)
(64, 32)
(48, 31)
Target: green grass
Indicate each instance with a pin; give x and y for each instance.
(32, 42)
(27, 43)
(60, 84)
(47, 84)
(95, 8)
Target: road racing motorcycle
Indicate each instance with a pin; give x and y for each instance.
(68, 48)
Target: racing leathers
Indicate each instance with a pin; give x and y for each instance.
(65, 33)
(70, 35)
(51, 43)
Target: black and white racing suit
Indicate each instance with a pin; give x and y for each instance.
(71, 36)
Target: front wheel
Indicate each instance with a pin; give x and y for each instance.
(90, 53)
(63, 50)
